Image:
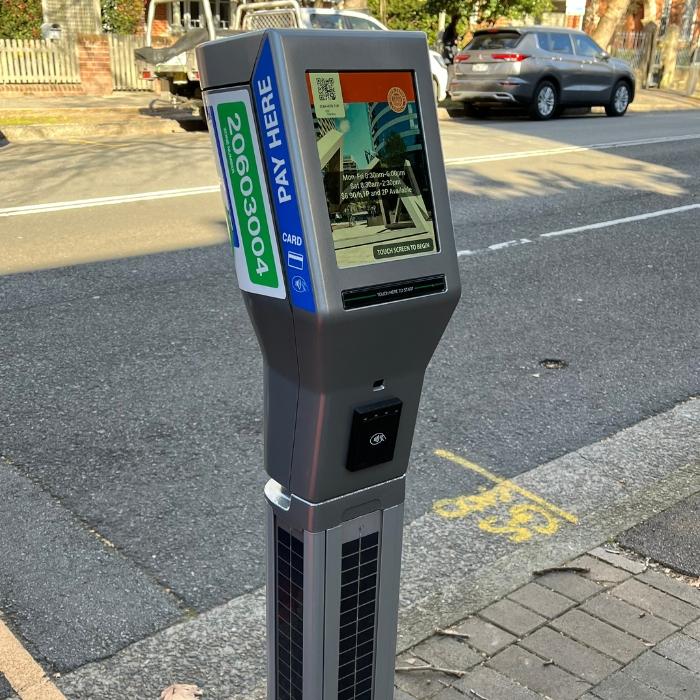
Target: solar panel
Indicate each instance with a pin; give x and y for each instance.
(290, 615)
(358, 607)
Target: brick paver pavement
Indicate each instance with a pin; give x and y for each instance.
(619, 631)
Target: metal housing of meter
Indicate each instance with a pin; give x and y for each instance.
(335, 191)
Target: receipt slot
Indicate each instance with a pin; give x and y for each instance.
(335, 192)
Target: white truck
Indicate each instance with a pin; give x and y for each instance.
(176, 64)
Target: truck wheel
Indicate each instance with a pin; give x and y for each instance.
(619, 100)
(544, 101)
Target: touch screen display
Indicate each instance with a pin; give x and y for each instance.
(375, 172)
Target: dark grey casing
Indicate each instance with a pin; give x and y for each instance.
(320, 366)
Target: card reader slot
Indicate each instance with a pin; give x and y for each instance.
(394, 291)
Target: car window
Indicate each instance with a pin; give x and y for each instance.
(322, 21)
(495, 40)
(543, 40)
(585, 46)
(559, 43)
(360, 23)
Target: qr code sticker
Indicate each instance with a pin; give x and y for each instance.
(326, 89)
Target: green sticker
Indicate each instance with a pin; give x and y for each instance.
(252, 216)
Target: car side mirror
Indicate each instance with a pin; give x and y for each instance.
(604, 55)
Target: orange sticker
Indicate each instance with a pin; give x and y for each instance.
(396, 98)
(371, 86)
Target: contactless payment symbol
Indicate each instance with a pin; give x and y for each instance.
(396, 98)
(299, 283)
(377, 439)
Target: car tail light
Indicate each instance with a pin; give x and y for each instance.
(195, 74)
(146, 75)
(513, 57)
(461, 57)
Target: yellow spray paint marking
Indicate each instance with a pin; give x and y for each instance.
(517, 520)
(24, 674)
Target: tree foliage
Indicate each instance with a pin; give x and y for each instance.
(422, 16)
(488, 12)
(122, 16)
(408, 14)
(20, 19)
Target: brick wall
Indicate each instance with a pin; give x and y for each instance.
(161, 26)
(95, 70)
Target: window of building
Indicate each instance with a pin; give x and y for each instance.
(188, 14)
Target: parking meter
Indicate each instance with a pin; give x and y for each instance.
(334, 187)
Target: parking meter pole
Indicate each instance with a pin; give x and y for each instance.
(334, 187)
(333, 592)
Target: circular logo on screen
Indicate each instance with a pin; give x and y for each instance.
(396, 98)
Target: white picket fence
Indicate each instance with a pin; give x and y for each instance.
(125, 76)
(30, 61)
(38, 61)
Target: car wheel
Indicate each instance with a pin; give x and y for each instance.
(476, 111)
(544, 102)
(455, 109)
(619, 101)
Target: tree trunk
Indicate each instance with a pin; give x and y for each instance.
(669, 54)
(603, 33)
(649, 11)
(651, 32)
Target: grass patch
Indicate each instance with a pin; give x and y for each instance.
(32, 119)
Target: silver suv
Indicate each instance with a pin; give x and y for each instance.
(543, 68)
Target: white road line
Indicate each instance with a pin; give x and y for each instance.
(568, 149)
(625, 220)
(581, 229)
(495, 246)
(103, 201)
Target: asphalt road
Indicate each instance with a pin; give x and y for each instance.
(131, 403)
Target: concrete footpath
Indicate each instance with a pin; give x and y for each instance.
(28, 118)
(468, 566)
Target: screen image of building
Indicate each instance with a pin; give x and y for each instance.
(374, 170)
